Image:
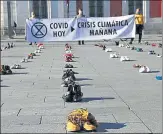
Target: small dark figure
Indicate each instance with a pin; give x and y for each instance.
(104, 47)
(117, 43)
(8, 46)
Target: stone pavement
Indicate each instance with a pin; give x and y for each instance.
(122, 99)
(146, 37)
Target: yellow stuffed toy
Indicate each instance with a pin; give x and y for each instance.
(81, 119)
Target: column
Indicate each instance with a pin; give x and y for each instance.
(54, 9)
(49, 8)
(86, 7)
(106, 8)
(61, 9)
(124, 7)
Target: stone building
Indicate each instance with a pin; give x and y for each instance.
(151, 9)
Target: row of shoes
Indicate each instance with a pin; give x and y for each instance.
(114, 55)
(73, 89)
(31, 55)
(151, 52)
(5, 69)
(8, 46)
(79, 119)
(153, 44)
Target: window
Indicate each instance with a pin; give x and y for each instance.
(96, 8)
(40, 8)
(133, 5)
(91, 8)
(100, 8)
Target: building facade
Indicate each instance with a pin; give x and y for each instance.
(151, 9)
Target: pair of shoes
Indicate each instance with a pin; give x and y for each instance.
(127, 46)
(121, 45)
(124, 58)
(80, 119)
(73, 93)
(16, 66)
(151, 52)
(159, 56)
(144, 69)
(139, 49)
(137, 66)
(5, 69)
(133, 48)
(146, 43)
(24, 60)
(114, 55)
(108, 50)
(68, 66)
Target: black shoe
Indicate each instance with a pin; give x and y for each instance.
(30, 44)
(130, 43)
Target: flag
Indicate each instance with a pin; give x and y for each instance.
(67, 2)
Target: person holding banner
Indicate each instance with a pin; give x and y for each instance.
(139, 21)
(80, 14)
(32, 17)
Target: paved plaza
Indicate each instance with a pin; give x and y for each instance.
(122, 99)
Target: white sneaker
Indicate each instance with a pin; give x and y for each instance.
(144, 69)
(127, 58)
(114, 55)
(124, 58)
(108, 50)
(121, 45)
(159, 56)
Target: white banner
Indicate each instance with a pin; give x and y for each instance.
(74, 29)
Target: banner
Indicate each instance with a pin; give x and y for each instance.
(74, 29)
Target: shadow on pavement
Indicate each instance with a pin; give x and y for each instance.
(96, 98)
(82, 85)
(4, 86)
(103, 126)
(21, 73)
(81, 79)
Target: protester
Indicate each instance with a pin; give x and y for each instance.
(80, 14)
(32, 17)
(139, 20)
